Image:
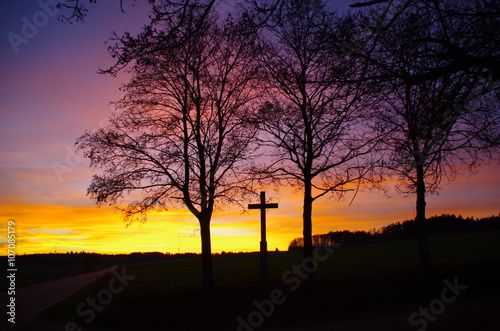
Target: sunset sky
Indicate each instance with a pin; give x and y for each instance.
(50, 93)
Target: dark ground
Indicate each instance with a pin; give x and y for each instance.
(351, 301)
(372, 287)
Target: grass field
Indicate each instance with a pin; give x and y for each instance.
(351, 281)
(445, 250)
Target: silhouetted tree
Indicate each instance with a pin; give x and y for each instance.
(310, 114)
(181, 133)
(434, 119)
(77, 10)
(464, 34)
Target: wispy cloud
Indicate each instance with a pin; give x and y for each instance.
(56, 231)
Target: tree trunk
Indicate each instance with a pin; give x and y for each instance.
(207, 275)
(307, 218)
(421, 222)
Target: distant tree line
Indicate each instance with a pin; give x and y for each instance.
(437, 225)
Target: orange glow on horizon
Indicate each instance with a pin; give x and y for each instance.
(56, 228)
(43, 228)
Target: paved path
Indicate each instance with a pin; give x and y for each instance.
(31, 300)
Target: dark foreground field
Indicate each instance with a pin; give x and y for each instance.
(352, 283)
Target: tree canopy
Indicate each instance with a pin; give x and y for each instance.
(183, 132)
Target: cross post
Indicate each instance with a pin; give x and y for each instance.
(263, 242)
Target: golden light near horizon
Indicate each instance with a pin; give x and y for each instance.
(59, 228)
(44, 228)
